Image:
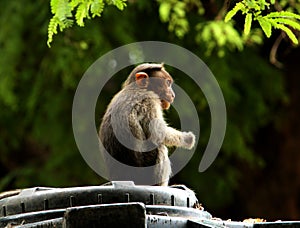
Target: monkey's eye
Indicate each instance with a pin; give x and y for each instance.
(169, 82)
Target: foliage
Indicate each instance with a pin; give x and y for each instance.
(174, 12)
(215, 34)
(219, 36)
(64, 11)
(278, 20)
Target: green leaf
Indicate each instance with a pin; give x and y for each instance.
(75, 3)
(181, 27)
(290, 34)
(97, 7)
(283, 14)
(68, 23)
(254, 37)
(233, 37)
(52, 29)
(54, 5)
(254, 5)
(206, 33)
(179, 9)
(120, 4)
(217, 31)
(61, 9)
(82, 13)
(265, 25)
(287, 21)
(231, 13)
(248, 22)
(164, 11)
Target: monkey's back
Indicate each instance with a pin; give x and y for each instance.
(125, 126)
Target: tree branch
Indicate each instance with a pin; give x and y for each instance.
(274, 49)
(223, 10)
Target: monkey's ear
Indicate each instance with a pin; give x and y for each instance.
(141, 79)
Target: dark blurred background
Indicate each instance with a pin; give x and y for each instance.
(257, 172)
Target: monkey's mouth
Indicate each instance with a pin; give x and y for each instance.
(166, 100)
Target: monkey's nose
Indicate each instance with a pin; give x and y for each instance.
(172, 94)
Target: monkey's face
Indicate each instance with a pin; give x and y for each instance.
(158, 81)
(161, 84)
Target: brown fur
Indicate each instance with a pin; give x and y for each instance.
(137, 110)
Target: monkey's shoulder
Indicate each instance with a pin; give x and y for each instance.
(135, 100)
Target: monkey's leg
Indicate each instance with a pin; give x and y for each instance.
(163, 167)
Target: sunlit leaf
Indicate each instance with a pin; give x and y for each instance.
(287, 21)
(97, 7)
(290, 34)
(81, 14)
(164, 11)
(239, 6)
(284, 14)
(265, 25)
(248, 22)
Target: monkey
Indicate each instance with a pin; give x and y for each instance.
(133, 130)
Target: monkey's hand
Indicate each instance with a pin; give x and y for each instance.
(188, 140)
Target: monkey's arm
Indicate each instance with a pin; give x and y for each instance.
(177, 138)
(161, 133)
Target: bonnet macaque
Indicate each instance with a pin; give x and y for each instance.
(133, 130)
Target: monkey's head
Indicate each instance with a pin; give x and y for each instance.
(154, 77)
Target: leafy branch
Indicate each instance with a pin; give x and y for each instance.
(64, 12)
(175, 13)
(217, 35)
(283, 20)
